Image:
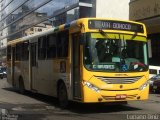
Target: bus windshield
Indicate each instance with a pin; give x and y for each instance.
(115, 53)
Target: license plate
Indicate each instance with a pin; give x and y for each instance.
(154, 87)
(121, 96)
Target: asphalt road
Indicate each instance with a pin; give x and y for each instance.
(14, 106)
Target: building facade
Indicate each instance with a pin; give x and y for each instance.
(148, 12)
(19, 18)
(116, 9)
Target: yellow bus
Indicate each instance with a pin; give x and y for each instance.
(90, 60)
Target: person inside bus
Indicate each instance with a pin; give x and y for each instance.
(114, 48)
(124, 53)
(103, 51)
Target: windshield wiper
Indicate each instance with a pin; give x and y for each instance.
(133, 36)
(103, 33)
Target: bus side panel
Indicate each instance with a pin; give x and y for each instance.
(63, 73)
(25, 74)
(10, 66)
(17, 73)
(9, 77)
(45, 81)
(47, 75)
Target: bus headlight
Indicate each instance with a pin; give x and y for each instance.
(142, 87)
(91, 86)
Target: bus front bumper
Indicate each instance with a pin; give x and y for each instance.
(91, 96)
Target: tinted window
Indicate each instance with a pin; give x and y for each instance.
(42, 48)
(51, 46)
(62, 44)
(9, 53)
(25, 52)
(18, 51)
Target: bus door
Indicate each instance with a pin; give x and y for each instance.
(76, 66)
(33, 65)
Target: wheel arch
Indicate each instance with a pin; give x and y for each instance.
(21, 80)
(62, 94)
(59, 82)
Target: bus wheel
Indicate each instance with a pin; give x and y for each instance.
(21, 86)
(62, 96)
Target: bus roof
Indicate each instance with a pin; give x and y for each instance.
(79, 23)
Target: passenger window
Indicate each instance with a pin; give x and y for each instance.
(62, 44)
(42, 48)
(18, 51)
(51, 46)
(9, 53)
(25, 52)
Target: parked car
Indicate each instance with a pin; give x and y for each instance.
(155, 83)
(3, 73)
(156, 86)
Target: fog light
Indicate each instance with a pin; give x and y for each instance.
(100, 99)
(138, 97)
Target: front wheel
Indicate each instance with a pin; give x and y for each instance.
(62, 96)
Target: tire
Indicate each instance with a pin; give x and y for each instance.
(21, 86)
(62, 96)
(1, 76)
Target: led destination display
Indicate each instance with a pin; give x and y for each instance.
(115, 25)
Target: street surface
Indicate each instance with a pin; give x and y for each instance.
(31, 106)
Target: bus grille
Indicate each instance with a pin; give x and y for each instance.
(122, 80)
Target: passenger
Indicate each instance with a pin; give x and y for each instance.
(102, 51)
(124, 54)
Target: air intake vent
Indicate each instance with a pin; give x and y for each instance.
(119, 80)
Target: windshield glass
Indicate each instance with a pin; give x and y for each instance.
(115, 53)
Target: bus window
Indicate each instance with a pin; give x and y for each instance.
(18, 51)
(42, 48)
(112, 54)
(62, 44)
(51, 46)
(25, 52)
(9, 53)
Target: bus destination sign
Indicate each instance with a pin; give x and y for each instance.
(115, 25)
